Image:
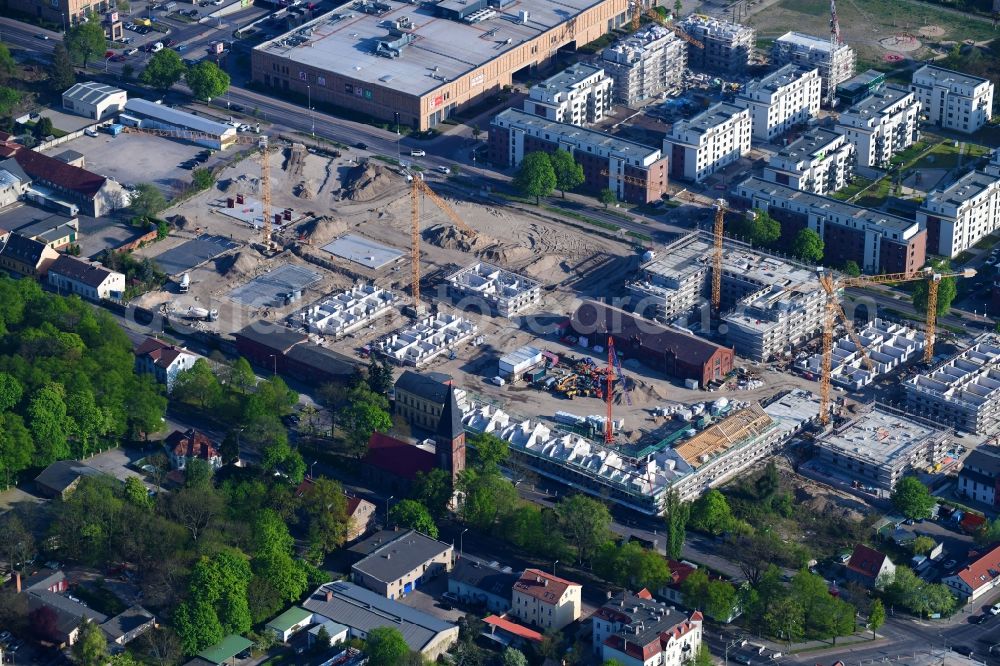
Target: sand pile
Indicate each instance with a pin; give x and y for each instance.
(506, 255)
(303, 190)
(240, 264)
(321, 230)
(366, 182)
(450, 238)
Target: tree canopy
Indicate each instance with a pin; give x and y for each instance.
(946, 293)
(163, 70)
(535, 176)
(85, 41)
(206, 80)
(912, 498)
(569, 174)
(808, 246)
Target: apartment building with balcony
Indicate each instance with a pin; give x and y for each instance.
(953, 100)
(882, 124)
(579, 95)
(784, 98)
(727, 48)
(959, 215)
(717, 137)
(820, 161)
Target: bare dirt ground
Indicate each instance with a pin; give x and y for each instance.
(332, 197)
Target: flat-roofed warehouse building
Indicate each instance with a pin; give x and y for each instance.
(204, 131)
(424, 61)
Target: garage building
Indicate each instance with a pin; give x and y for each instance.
(94, 100)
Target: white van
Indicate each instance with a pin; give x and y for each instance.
(158, 46)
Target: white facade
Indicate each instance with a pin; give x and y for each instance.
(782, 99)
(962, 213)
(835, 65)
(545, 601)
(712, 140)
(579, 95)
(501, 291)
(347, 311)
(953, 100)
(887, 344)
(90, 281)
(820, 161)
(163, 361)
(881, 125)
(94, 100)
(428, 338)
(645, 64)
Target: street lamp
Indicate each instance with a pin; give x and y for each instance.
(461, 541)
(396, 115)
(554, 567)
(387, 500)
(106, 61)
(312, 118)
(311, 476)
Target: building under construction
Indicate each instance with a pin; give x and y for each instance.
(728, 47)
(835, 63)
(493, 289)
(645, 64)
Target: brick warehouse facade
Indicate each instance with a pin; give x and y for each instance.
(438, 64)
(635, 173)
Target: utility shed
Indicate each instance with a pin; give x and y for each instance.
(94, 100)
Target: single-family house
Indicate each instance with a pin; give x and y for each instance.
(361, 513)
(289, 623)
(69, 275)
(978, 577)
(163, 361)
(188, 445)
(869, 567)
(26, 257)
(62, 477)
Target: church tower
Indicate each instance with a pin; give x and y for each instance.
(449, 439)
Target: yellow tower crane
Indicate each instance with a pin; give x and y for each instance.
(418, 187)
(720, 215)
(241, 139)
(831, 285)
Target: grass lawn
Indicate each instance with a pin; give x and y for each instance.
(852, 189)
(946, 155)
(877, 195)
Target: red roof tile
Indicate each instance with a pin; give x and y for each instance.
(514, 628)
(866, 561)
(45, 168)
(543, 586)
(191, 444)
(983, 570)
(971, 522)
(399, 458)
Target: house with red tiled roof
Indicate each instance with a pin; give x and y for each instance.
(188, 445)
(505, 631)
(94, 194)
(679, 571)
(162, 360)
(869, 567)
(978, 577)
(393, 464)
(545, 601)
(635, 629)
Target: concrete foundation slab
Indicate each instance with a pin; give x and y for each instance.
(193, 253)
(362, 251)
(271, 288)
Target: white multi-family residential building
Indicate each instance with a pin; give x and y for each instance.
(645, 64)
(637, 630)
(162, 360)
(819, 161)
(835, 64)
(882, 124)
(953, 100)
(959, 215)
(784, 98)
(715, 138)
(579, 95)
(545, 601)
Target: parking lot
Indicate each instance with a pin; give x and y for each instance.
(137, 158)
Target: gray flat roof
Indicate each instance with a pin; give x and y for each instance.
(362, 610)
(711, 117)
(593, 137)
(968, 186)
(779, 78)
(343, 41)
(819, 202)
(949, 76)
(879, 437)
(390, 555)
(570, 76)
(363, 251)
(30, 220)
(177, 117)
(878, 101)
(803, 40)
(809, 144)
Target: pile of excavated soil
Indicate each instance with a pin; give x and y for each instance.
(179, 221)
(321, 230)
(450, 238)
(238, 265)
(303, 190)
(366, 182)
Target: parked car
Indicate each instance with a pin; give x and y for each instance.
(91, 132)
(41, 36)
(995, 609)
(132, 51)
(979, 619)
(445, 170)
(361, 145)
(416, 152)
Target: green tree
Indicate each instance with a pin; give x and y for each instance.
(434, 491)
(128, 71)
(413, 515)
(947, 290)
(136, 493)
(241, 376)
(18, 544)
(851, 268)
(487, 498)
(490, 450)
(586, 523)
(695, 589)
(198, 473)
(206, 80)
(513, 657)
(385, 646)
(380, 376)
(85, 41)
(42, 128)
(720, 599)
(197, 625)
(711, 513)
(11, 391)
(912, 498)
(146, 201)
(49, 425)
(7, 64)
(569, 174)
(607, 197)
(90, 648)
(922, 545)
(325, 508)
(535, 176)
(9, 98)
(145, 405)
(198, 386)
(704, 657)
(676, 514)
(808, 246)
(17, 448)
(367, 412)
(876, 617)
(202, 179)
(163, 70)
(766, 230)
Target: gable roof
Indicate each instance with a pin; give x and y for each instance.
(62, 474)
(43, 579)
(982, 570)
(514, 628)
(430, 387)
(363, 610)
(396, 457)
(543, 586)
(390, 554)
(92, 275)
(484, 577)
(226, 649)
(450, 426)
(292, 617)
(866, 561)
(130, 619)
(58, 173)
(67, 611)
(191, 444)
(161, 353)
(91, 92)
(23, 249)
